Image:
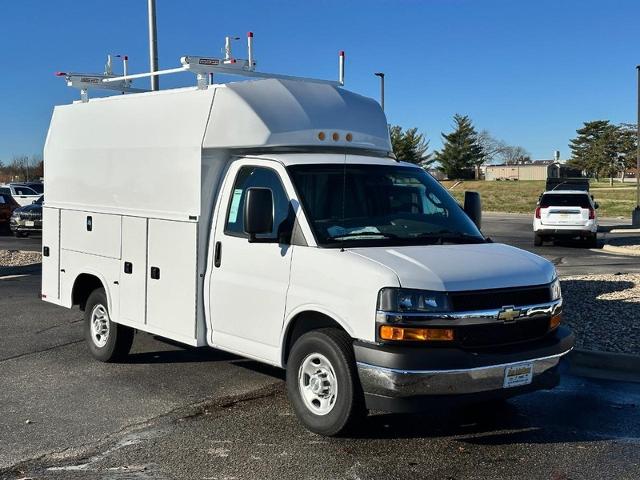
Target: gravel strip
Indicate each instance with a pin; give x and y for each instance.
(17, 258)
(603, 311)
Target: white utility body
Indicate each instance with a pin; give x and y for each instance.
(269, 218)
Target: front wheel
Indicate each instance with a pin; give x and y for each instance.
(108, 341)
(323, 384)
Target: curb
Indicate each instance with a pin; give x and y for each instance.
(620, 250)
(624, 230)
(623, 367)
(22, 270)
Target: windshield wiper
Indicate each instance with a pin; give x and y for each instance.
(364, 234)
(443, 236)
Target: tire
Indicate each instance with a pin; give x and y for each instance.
(537, 240)
(20, 234)
(592, 241)
(107, 341)
(340, 407)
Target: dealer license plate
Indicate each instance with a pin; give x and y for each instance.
(29, 223)
(518, 375)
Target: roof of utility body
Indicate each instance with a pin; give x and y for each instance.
(288, 159)
(292, 113)
(112, 154)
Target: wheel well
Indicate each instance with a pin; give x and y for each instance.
(302, 323)
(82, 288)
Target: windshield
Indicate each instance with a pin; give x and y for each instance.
(369, 205)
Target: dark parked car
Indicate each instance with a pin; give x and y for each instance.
(7, 206)
(28, 219)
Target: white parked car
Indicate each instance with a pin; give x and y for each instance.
(22, 194)
(566, 214)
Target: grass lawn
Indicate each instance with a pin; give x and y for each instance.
(521, 196)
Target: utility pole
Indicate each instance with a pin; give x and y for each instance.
(635, 216)
(153, 44)
(381, 75)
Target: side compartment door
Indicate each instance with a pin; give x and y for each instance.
(51, 253)
(133, 271)
(171, 279)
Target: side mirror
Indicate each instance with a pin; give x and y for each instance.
(473, 207)
(596, 205)
(258, 212)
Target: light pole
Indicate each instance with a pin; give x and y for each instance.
(153, 44)
(635, 216)
(381, 75)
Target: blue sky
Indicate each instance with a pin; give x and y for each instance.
(530, 72)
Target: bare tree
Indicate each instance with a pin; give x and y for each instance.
(512, 155)
(491, 146)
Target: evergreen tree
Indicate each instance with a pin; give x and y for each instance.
(627, 143)
(592, 147)
(410, 146)
(462, 149)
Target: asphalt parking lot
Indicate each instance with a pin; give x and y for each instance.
(174, 412)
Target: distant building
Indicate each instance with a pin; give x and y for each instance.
(535, 170)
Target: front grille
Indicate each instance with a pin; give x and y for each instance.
(29, 216)
(497, 298)
(492, 334)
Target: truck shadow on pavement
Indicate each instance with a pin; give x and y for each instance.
(580, 410)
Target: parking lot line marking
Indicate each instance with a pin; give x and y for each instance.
(9, 277)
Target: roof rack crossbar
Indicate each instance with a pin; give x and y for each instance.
(203, 67)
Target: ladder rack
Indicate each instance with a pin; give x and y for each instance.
(203, 67)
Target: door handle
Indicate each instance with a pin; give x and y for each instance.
(155, 273)
(217, 256)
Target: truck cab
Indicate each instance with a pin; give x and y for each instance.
(300, 242)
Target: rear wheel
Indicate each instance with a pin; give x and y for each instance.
(108, 341)
(537, 240)
(323, 384)
(592, 241)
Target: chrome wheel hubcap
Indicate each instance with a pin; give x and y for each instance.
(317, 384)
(99, 326)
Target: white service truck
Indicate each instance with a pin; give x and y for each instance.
(269, 218)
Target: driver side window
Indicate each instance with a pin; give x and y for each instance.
(263, 177)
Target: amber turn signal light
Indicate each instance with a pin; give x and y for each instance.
(555, 321)
(388, 332)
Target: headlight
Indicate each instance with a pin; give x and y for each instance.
(556, 291)
(405, 300)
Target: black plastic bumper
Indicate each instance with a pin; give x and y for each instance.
(559, 232)
(406, 378)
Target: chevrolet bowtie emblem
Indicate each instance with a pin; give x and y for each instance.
(508, 314)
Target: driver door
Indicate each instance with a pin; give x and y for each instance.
(249, 281)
